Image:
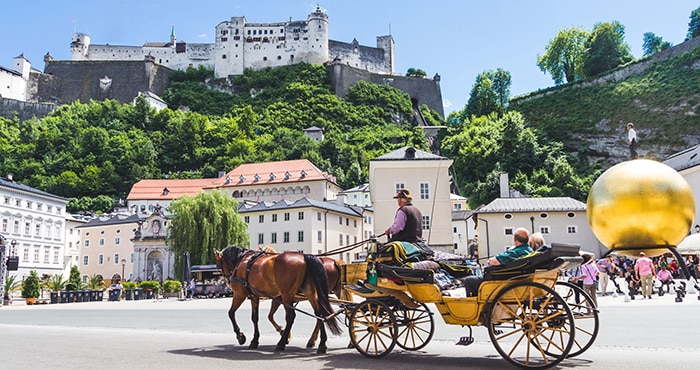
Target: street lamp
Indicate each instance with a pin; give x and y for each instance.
(123, 264)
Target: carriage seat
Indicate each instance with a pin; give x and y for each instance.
(546, 257)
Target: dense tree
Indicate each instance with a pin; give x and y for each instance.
(203, 224)
(487, 146)
(694, 24)
(563, 57)
(606, 48)
(654, 44)
(490, 93)
(415, 72)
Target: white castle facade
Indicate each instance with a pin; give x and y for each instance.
(240, 45)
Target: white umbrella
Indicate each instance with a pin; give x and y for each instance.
(690, 245)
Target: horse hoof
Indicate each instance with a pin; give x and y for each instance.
(321, 350)
(310, 344)
(241, 339)
(253, 346)
(279, 348)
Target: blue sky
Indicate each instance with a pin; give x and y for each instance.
(456, 38)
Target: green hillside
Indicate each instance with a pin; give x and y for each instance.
(590, 118)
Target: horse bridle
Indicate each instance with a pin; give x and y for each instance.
(244, 282)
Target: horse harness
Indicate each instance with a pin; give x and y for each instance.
(244, 282)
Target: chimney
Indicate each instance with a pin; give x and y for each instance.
(505, 186)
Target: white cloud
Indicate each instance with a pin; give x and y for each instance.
(202, 36)
(446, 103)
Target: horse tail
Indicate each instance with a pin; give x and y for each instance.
(314, 269)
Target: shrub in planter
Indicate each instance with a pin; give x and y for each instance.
(150, 284)
(172, 286)
(11, 285)
(30, 287)
(150, 288)
(56, 283)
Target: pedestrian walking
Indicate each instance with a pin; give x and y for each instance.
(644, 270)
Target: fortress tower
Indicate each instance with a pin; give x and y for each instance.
(79, 46)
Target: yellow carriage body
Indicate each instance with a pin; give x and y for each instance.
(453, 310)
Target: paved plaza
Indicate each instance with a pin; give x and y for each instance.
(176, 334)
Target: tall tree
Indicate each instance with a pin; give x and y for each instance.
(606, 48)
(563, 57)
(654, 44)
(694, 24)
(490, 93)
(204, 223)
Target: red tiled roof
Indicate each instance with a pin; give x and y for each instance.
(155, 189)
(278, 169)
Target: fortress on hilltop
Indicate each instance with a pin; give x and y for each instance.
(104, 71)
(240, 44)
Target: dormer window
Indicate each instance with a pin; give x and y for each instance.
(257, 178)
(241, 178)
(272, 176)
(303, 174)
(166, 191)
(228, 180)
(287, 175)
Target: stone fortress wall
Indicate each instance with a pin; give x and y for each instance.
(240, 45)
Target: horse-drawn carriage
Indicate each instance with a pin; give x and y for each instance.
(533, 319)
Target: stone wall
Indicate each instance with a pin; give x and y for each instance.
(66, 81)
(10, 107)
(422, 90)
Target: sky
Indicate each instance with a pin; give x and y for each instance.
(457, 39)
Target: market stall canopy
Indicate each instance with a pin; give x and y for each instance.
(690, 245)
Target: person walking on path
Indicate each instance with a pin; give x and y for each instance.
(644, 270)
(590, 273)
(632, 140)
(606, 268)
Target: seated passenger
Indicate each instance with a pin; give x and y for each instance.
(536, 241)
(521, 249)
(521, 237)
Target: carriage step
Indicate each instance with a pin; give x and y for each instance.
(465, 341)
(361, 289)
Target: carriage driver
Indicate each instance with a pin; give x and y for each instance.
(407, 222)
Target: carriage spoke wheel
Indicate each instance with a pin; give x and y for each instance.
(585, 315)
(531, 326)
(415, 327)
(373, 328)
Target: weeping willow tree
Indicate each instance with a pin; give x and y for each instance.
(203, 224)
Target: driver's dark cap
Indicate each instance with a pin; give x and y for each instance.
(403, 193)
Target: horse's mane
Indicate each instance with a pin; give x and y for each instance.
(231, 254)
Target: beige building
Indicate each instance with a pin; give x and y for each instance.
(308, 225)
(107, 248)
(561, 220)
(426, 176)
(274, 181)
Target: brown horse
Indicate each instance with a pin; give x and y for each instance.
(332, 267)
(279, 276)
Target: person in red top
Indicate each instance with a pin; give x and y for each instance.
(644, 270)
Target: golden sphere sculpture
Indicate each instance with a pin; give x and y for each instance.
(640, 206)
